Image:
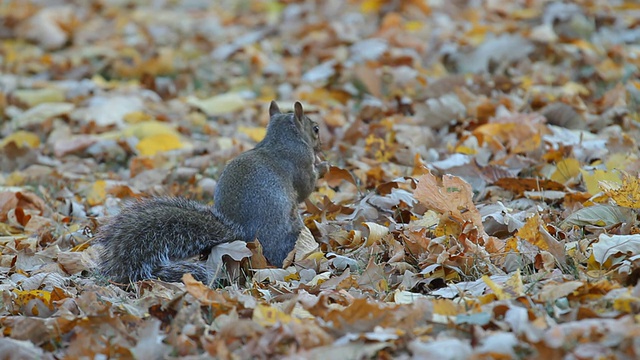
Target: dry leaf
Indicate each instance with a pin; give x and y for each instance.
(626, 194)
(612, 245)
(158, 143)
(452, 198)
(220, 104)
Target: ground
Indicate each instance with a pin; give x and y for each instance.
(482, 201)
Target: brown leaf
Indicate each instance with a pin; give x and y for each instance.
(335, 175)
(519, 186)
(453, 198)
(201, 292)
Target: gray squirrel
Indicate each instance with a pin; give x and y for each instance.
(257, 196)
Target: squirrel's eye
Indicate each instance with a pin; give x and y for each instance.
(316, 129)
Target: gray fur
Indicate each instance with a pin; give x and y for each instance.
(261, 188)
(257, 196)
(152, 238)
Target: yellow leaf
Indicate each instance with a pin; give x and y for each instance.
(376, 232)
(22, 139)
(591, 180)
(627, 5)
(487, 299)
(620, 161)
(97, 193)
(326, 191)
(583, 45)
(526, 82)
(80, 247)
(321, 94)
(511, 245)
(318, 255)
(16, 178)
(436, 70)
(445, 307)
(112, 84)
(197, 119)
(255, 133)
(448, 226)
(147, 129)
(526, 13)
(465, 150)
(494, 133)
(451, 276)
(530, 232)
(573, 89)
(158, 143)
(626, 304)
(514, 286)
(610, 70)
(500, 293)
(33, 97)
(219, 104)
(566, 170)
(528, 144)
(24, 296)
(413, 25)
(273, 11)
(626, 194)
(594, 265)
(10, 53)
(267, 316)
(137, 117)
(369, 6)
(476, 34)
(292, 277)
(535, 232)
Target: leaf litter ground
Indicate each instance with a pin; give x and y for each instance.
(482, 201)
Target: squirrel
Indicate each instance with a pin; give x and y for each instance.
(257, 196)
(261, 188)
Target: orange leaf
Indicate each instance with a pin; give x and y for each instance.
(452, 198)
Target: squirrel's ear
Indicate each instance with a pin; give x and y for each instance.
(297, 110)
(273, 108)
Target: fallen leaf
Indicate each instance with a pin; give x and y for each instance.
(611, 245)
(154, 144)
(452, 198)
(219, 104)
(22, 139)
(269, 316)
(626, 194)
(255, 133)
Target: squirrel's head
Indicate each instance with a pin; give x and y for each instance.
(308, 128)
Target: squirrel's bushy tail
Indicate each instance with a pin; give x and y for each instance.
(154, 238)
(170, 272)
(174, 271)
